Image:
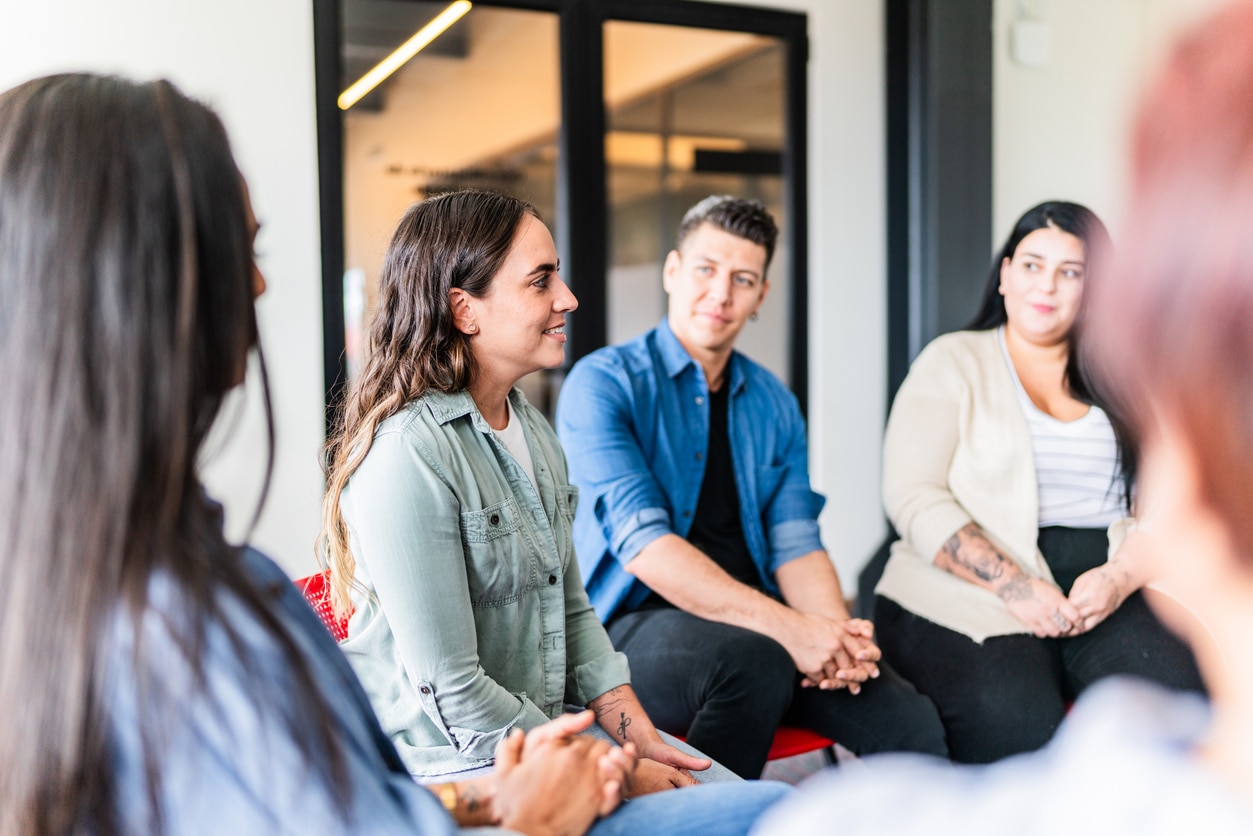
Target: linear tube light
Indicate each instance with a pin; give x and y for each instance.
(403, 53)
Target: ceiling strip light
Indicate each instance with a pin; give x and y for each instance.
(403, 53)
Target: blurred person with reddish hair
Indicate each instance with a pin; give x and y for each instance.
(1171, 339)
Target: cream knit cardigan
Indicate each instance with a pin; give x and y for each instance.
(957, 450)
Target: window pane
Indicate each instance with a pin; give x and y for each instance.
(690, 112)
(478, 108)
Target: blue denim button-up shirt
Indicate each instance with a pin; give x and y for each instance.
(634, 420)
(228, 763)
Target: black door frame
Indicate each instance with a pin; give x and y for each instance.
(939, 158)
(584, 245)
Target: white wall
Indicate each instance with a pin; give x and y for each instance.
(1059, 131)
(253, 62)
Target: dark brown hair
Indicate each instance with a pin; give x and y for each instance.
(125, 317)
(747, 219)
(454, 240)
(1174, 325)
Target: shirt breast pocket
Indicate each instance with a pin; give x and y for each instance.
(498, 563)
(567, 504)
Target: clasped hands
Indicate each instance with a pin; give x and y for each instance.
(834, 653)
(554, 781)
(1041, 605)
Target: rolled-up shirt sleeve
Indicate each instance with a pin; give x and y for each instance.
(593, 666)
(790, 506)
(596, 426)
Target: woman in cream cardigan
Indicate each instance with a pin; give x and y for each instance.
(1007, 594)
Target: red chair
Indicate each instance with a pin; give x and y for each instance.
(791, 740)
(788, 740)
(318, 593)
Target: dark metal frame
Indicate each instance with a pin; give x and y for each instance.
(583, 247)
(939, 158)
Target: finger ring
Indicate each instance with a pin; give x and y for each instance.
(1060, 621)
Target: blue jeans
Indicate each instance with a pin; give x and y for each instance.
(721, 805)
(726, 808)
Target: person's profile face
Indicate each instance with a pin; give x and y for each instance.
(715, 282)
(1042, 284)
(254, 229)
(519, 325)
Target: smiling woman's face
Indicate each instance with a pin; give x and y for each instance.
(1042, 285)
(520, 323)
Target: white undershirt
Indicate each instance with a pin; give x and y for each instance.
(1076, 463)
(514, 440)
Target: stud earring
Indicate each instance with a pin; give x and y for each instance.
(472, 328)
(753, 316)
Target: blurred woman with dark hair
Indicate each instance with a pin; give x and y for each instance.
(154, 677)
(1170, 327)
(1010, 482)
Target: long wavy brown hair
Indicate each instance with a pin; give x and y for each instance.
(454, 240)
(126, 315)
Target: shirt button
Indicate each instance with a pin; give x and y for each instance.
(699, 400)
(687, 513)
(425, 689)
(552, 579)
(699, 456)
(494, 519)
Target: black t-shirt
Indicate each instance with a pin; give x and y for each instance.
(716, 528)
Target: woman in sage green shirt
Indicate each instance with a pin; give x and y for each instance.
(448, 514)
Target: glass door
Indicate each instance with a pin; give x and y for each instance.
(478, 107)
(611, 116)
(690, 112)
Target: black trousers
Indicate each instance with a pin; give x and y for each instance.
(1008, 694)
(726, 689)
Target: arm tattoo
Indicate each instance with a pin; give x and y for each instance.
(970, 550)
(470, 795)
(1016, 589)
(605, 707)
(969, 554)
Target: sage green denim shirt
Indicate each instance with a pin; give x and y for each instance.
(474, 619)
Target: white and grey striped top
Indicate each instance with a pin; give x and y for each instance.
(1076, 463)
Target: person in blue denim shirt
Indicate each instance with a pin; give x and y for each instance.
(697, 532)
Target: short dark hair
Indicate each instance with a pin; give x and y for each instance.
(747, 219)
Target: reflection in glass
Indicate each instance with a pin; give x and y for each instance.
(689, 112)
(478, 108)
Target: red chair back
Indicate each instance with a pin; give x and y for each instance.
(317, 591)
(791, 740)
